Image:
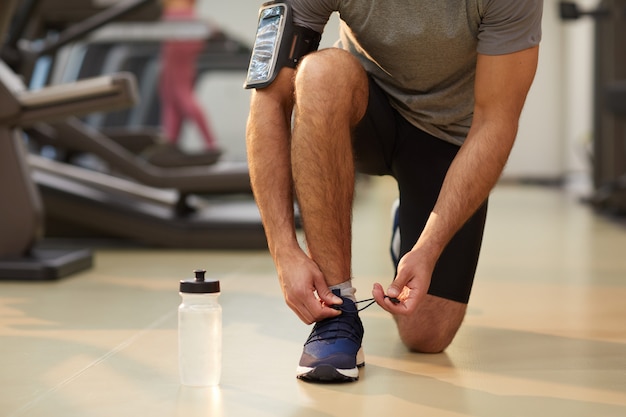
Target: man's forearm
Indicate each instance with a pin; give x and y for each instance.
(469, 180)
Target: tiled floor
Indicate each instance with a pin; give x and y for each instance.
(545, 333)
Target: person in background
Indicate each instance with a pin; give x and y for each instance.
(177, 80)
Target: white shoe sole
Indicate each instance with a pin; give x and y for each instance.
(328, 373)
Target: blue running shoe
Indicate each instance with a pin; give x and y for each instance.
(333, 351)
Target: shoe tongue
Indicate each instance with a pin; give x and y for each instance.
(348, 305)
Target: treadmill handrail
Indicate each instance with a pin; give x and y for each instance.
(10, 86)
(103, 181)
(86, 89)
(223, 177)
(159, 31)
(81, 29)
(61, 101)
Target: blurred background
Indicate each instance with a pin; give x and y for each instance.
(84, 82)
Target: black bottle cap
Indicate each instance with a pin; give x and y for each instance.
(199, 285)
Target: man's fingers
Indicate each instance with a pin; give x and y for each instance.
(314, 310)
(403, 304)
(388, 303)
(323, 292)
(327, 296)
(378, 293)
(397, 286)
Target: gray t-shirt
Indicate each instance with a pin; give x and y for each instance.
(423, 52)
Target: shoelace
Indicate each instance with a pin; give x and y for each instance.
(367, 300)
(335, 327)
(344, 326)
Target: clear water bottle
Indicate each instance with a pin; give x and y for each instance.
(200, 332)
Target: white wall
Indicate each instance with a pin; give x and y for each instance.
(555, 129)
(556, 125)
(538, 151)
(577, 64)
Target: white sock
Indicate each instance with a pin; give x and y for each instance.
(346, 289)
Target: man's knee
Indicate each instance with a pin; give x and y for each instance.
(329, 66)
(335, 77)
(433, 326)
(426, 342)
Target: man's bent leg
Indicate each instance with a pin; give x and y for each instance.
(420, 164)
(432, 326)
(331, 97)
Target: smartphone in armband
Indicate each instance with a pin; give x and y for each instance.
(266, 52)
(278, 43)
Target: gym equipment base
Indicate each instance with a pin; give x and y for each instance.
(45, 265)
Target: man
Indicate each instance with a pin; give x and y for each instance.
(428, 92)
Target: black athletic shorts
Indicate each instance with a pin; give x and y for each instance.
(385, 143)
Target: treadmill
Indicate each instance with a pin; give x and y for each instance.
(142, 28)
(21, 211)
(164, 209)
(39, 28)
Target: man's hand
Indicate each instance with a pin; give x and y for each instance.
(409, 287)
(305, 289)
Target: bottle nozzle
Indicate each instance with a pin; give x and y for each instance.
(200, 285)
(199, 274)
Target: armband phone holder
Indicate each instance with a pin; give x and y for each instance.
(278, 43)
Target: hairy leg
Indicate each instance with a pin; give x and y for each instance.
(331, 97)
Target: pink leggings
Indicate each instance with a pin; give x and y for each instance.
(176, 89)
